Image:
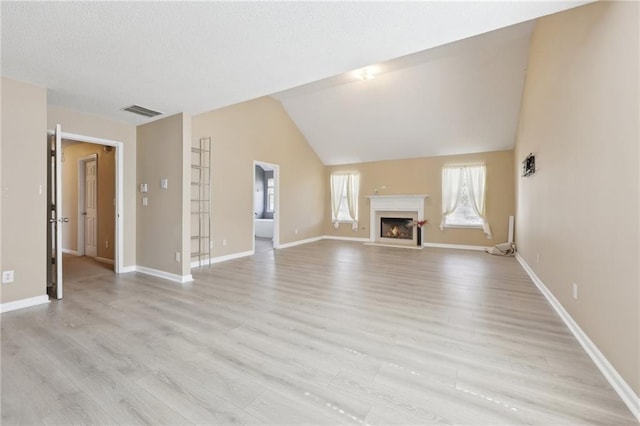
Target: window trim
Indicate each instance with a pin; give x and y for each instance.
(463, 226)
(348, 220)
(270, 192)
(444, 223)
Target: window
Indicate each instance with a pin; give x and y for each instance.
(463, 197)
(271, 205)
(464, 214)
(344, 199)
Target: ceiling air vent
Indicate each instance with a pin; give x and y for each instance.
(140, 110)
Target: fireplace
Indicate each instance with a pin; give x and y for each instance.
(396, 227)
(392, 218)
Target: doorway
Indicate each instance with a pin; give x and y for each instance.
(87, 205)
(265, 206)
(86, 185)
(88, 200)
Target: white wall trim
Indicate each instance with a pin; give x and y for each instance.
(456, 246)
(104, 260)
(72, 252)
(23, 303)
(356, 239)
(127, 269)
(300, 242)
(165, 275)
(621, 387)
(218, 259)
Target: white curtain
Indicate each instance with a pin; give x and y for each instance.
(353, 189)
(338, 185)
(476, 177)
(451, 189)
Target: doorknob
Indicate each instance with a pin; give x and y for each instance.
(62, 219)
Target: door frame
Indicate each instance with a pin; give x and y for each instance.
(81, 198)
(119, 216)
(276, 196)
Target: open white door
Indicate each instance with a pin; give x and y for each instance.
(55, 219)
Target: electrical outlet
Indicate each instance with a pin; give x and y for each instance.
(574, 291)
(145, 201)
(7, 277)
(106, 244)
(224, 243)
(537, 257)
(295, 231)
(177, 256)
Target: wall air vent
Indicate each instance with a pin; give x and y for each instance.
(140, 110)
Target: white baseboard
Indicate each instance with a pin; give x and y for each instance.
(104, 260)
(165, 275)
(356, 239)
(616, 381)
(23, 303)
(224, 258)
(299, 242)
(72, 252)
(455, 246)
(127, 269)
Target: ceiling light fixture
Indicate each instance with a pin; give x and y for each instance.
(365, 74)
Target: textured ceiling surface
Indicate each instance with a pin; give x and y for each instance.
(99, 57)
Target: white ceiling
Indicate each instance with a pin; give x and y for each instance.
(99, 57)
(463, 97)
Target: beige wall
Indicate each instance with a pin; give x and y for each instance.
(424, 176)
(162, 224)
(73, 152)
(90, 125)
(24, 182)
(579, 212)
(260, 130)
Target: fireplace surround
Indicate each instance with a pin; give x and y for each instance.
(403, 209)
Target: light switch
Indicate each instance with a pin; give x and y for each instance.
(164, 183)
(143, 187)
(145, 201)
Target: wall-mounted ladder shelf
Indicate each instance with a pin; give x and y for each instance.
(201, 202)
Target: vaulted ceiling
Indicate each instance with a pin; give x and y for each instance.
(463, 97)
(99, 57)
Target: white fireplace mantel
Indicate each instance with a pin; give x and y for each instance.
(399, 203)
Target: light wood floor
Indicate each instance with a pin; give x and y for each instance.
(263, 244)
(324, 333)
